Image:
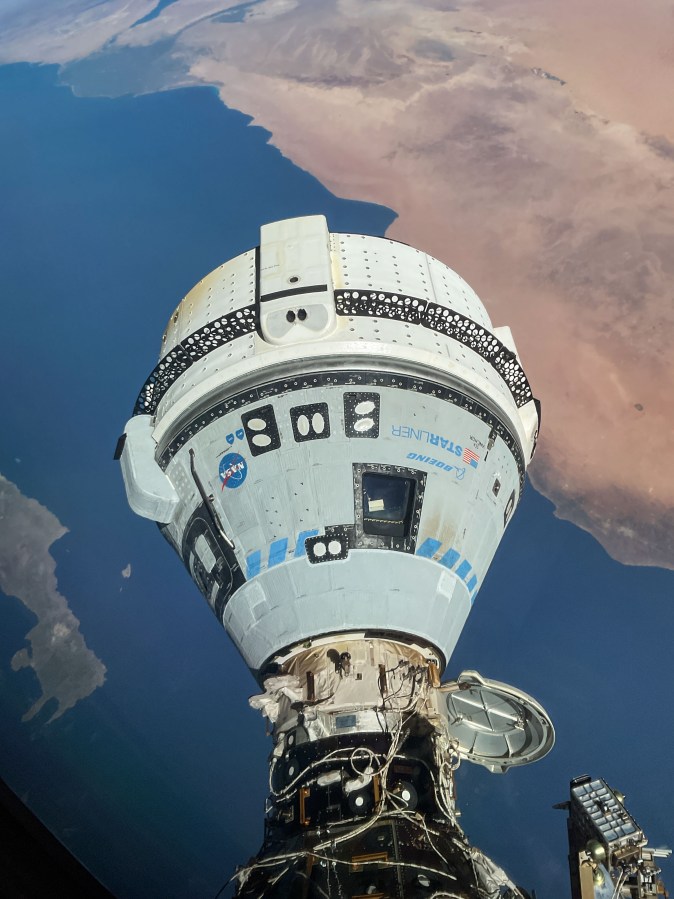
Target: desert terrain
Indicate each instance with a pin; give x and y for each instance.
(529, 146)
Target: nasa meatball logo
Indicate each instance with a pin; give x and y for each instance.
(233, 470)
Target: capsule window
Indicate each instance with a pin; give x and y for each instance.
(387, 504)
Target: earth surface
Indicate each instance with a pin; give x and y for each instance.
(530, 146)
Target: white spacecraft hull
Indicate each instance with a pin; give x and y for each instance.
(362, 386)
(334, 441)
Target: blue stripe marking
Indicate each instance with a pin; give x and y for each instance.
(299, 546)
(253, 562)
(429, 548)
(464, 570)
(450, 558)
(472, 582)
(277, 552)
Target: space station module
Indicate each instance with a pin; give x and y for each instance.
(334, 441)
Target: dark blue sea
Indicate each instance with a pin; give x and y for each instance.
(110, 211)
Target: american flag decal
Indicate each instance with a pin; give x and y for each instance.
(470, 457)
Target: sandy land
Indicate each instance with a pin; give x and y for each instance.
(617, 55)
(531, 147)
(560, 215)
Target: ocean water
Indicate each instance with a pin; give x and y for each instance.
(112, 209)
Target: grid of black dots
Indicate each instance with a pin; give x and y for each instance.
(442, 319)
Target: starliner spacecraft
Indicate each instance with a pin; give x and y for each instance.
(334, 441)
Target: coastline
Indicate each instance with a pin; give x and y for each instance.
(558, 255)
(550, 195)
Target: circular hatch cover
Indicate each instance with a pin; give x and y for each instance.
(496, 725)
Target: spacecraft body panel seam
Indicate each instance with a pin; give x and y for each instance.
(270, 508)
(230, 339)
(206, 307)
(227, 289)
(169, 429)
(282, 605)
(215, 376)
